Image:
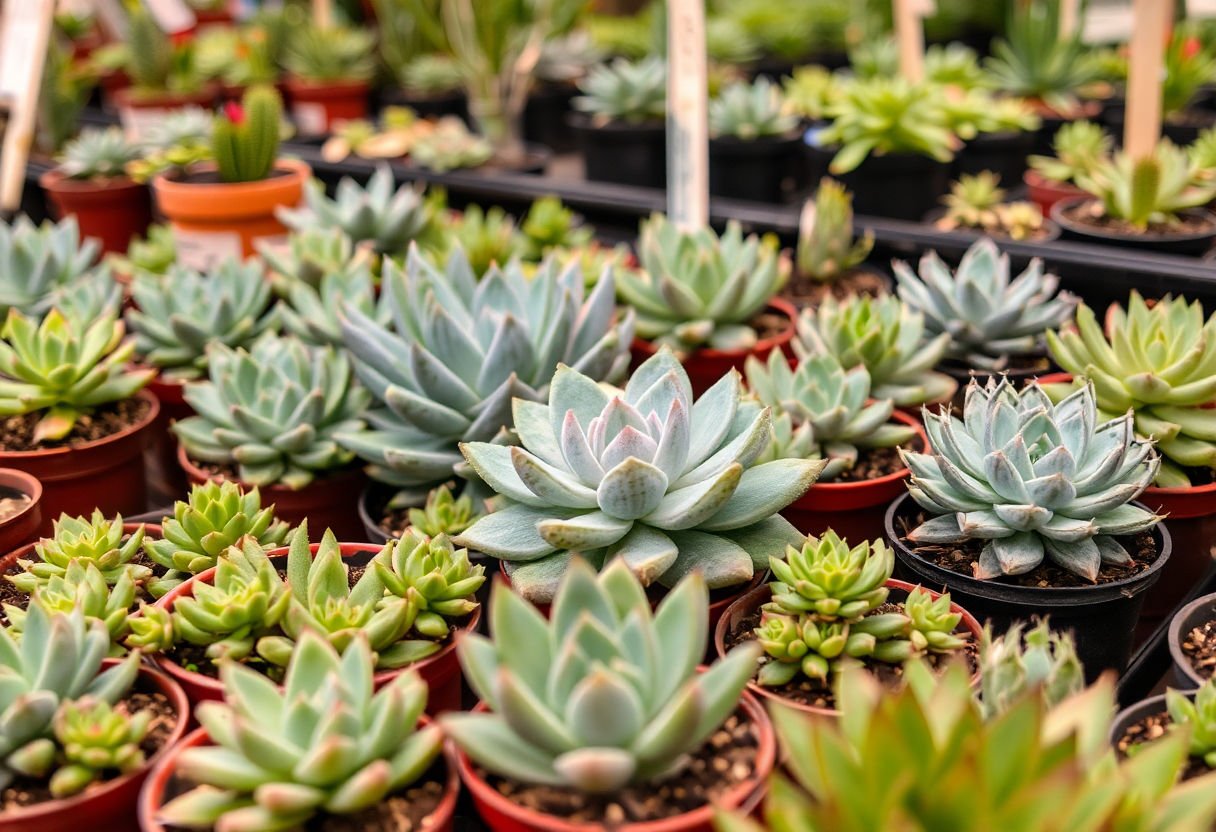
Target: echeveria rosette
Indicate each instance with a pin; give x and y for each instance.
(826, 577)
(1157, 361)
(1033, 479)
(643, 474)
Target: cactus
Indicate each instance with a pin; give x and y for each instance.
(245, 138)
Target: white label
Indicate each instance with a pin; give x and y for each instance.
(203, 250)
(172, 16)
(687, 130)
(310, 118)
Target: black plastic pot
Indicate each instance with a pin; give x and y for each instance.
(545, 117)
(1002, 153)
(1191, 244)
(1195, 614)
(1102, 617)
(900, 185)
(1132, 714)
(762, 169)
(432, 106)
(626, 154)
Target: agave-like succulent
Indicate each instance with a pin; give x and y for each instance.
(887, 115)
(885, 336)
(1196, 716)
(274, 411)
(642, 474)
(179, 314)
(82, 587)
(828, 408)
(95, 540)
(750, 111)
(612, 690)
(1157, 361)
(325, 742)
(630, 91)
(1032, 479)
(487, 237)
(826, 247)
(1024, 659)
(988, 316)
(443, 513)
(458, 351)
(696, 289)
(96, 738)
(432, 575)
(36, 260)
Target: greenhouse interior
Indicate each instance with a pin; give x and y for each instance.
(634, 415)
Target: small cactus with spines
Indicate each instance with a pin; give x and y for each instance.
(245, 138)
(827, 248)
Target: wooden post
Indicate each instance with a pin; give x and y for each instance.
(687, 106)
(910, 36)
(25, 30)
(1068, 17)
(1150, 28)
(323, 13)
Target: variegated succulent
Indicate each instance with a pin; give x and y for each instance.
(94, 540)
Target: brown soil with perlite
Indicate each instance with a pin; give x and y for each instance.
(17, 432)
(873, 463)
(1153, 727)
(804, 291)
(1199, 645)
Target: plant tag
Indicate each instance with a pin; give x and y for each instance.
(172, 16)
(687, 107)
(203, 250)
(310, 118)
(25, 29)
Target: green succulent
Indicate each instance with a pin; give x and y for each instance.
(429, 75)
(1158, 362)
(549, 226)
(314, 313)
(178, 140)
(96, 738)
(956, 65)
(1032, 479)
(156, 62)
(1036, 60)
(178, 315)
(828, 404)
(433, 576)
(311, 254)
(884, 116)
(884, 335)
(971, 113)
(333, 53)
(972, 200)
(82, 586)
(486, 237)
(37, 260)
(818, 649)
(933, 622)
(988, 316)
(874, 57)
(1202, 153)
(643, 474)
(450, 146)
(97, 154)
(245, 137)
(810, 92)
(696, 289)
(612, 689)
(444, 514)
(1148, 191)
(827, 249)
(326, 742)
(1195, 716)
(458, 351)
(154, 254)
(1189, 66)
(94, 540)
(631, 91)
(1079, 147)
(274, 411)
(215, 516)
(827, 578)
(750, 111)
(1024, 659)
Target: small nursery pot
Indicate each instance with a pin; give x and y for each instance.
(1003, 153)
(328, 502)
(899, 185)
(854, 510)
(750, 602)
(1046, 193)
(502, 815)
(705, 366)
(1195, 614)
(106, 474)
(141, 110)
(153, 797)
(761, 169)
(109, 806)
(23, 527)
(441, 671)
(316, 107)
(1132, 714)
(1102, 617)
(214, 220)
(623, 153)
(1193, 243)
(113, 210)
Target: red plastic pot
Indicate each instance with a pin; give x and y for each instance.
(107, 474)
(110, 806)
(706, 366)
(330, 502)
(501, 815)
(854, 510)
(165, 477)
(316, 107)
(761, 594)
(22, 527)
(441, 672)
(1046, 193)
(152, 798)
(112, 210)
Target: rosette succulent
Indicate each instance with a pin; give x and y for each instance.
(1079, 147)
(458, 351)
(1151, 191)
(311, 254)
(1196, 716)
(274, 411)
(1024, 659)
(642, 474)
(95, 738)
(97, 154)
(433, 576)
(629, 91)
(750, 111)
(885, 336)
(818, 648)
(696, 289)
(443, 513)
(82, 587)
(827, 578)
(988, 316)
(36, 260)
(314, 313)
(1032, 479)
(827, 249)
(1157, 361)
(486, 236)
(602, 694)
(94, 540)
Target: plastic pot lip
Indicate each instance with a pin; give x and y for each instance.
(56, 181)
(766, 759)
(374, 533)
(1052, 595)
(820, 487)
(758, 146)
(63, 451)
(27, 484)
(775, 304)
(177, 190)
(1181, 660)
(339, 478)
(1137, 710)
(1057, 215)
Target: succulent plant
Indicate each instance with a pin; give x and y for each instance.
(933, 622)
(97, 154)
(82, 586)
(274, 411)
(156, 62)
(178, 140)
(810, 92)
(94, 540)
(883, 116)
(612, 688)
(827, 578)
(566, 59)
(450, 146)
(430, 75)
(1158, 362)
(1196, 716)
(432, 575)
(885, 336)
(1032, 479)
(215, 516)
(955, 65)
(325, 742)
(37, 260)
(96, 737)
(458, 351)
(319, 54)
(971, 113)
(819, 648)
(750, 111)
(630, 91)
(1202, 153)
(311, 254)
(180, 314)
(972, 200)
(1189, 65)
(443, 513)
(988, 316)
(1147, 191)
(487, 237)
(245, 137)
(314, 313)
(551, 226)
(827, 249)
(1036, 60)
(1024, 659)
(155, 253)
(643, 474)
(697, 289)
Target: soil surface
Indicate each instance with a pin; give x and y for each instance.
(872, 464)
(17, 432)
(1089, 214)
(769, 325)
(1041, 233)
(1155, 726)
(1199, 645)
(803, 291)
(12, 503)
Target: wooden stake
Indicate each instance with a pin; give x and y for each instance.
(323, 13)
(1150, 28)
(1068, 17)
(25, 29)
(687, 107)
(910, 37)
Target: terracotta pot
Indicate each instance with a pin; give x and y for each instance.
(22, 528)
(214, 220)
(152, 798)
(330, 502)
(761, 594)
(112, 210)
(165, 477)
(106, 474)
(441, 672)
(502, 815)
(110, 806)
(705, 366)
(138, 110)
(316, 107)
(854, 510)
(1046, 193)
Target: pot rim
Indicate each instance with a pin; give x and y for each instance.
(297, 169)
(333, 87)
(1151, 705)
(27, 484)
(1158, 237)
(56, 180)
(64, 450)
(1033, 179)
(833, 487)
(785, 336)
(585, 121)
(134, 98)
(1181, 659)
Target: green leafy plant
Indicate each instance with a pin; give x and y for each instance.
(443, 513)
(245, 137)
(36, 260)
(1079, 147)
(97, 154)
(1036, 60)
(642, 474)
(488, 237)
(884, 116)
(827, 249)
(435, 578)
(810, 92)
(321, 55)
(1196, 716)
(1026, 659)
(550, 226)
(155, 62)
(1149, 191)
(630, 91)
(94, 540)
(750, 111)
